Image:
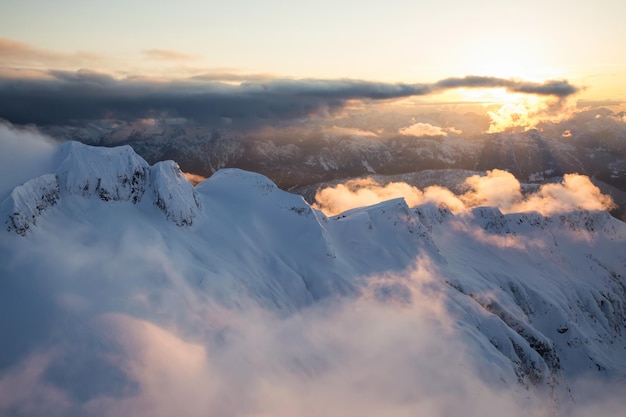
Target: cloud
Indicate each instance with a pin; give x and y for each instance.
(194, 179)
(175, 376)
(426, 129)
(24, 390)
(351, 131)
(501, 189)
(168, 55)
(397, 349)
(555, 88)
(529, 112)
(366, 192)
(497, 188)
(575, 192)
(24, 154)
(231, 76)
(586, 103)
(347, 357)
(13, 53)
(61, 97)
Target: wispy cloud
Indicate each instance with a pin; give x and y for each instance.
(14, 53)
(426, 129)
(169, 55)
(24, 153)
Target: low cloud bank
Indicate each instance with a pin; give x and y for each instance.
(392, 351)
(497, 188)
(396, 350)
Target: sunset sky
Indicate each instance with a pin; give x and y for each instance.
(408, 42)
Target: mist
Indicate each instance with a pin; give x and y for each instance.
(395, 349)
(24, 154)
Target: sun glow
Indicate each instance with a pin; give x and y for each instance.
(511, 112)
(516, 112)
(508, 111)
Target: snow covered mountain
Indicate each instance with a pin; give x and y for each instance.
(590, 143)
(126, 291)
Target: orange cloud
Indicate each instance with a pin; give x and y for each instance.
(171, 371)
(497, 188)
(365, 192)
(24, 74)
(526, 112)
(423, 129)
(575, 192)
(194, 179)
(169, 55)
(14, 53)
(351, 131)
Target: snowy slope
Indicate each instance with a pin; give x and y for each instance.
(125, 291)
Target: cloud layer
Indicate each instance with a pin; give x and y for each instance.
(335, 359)
(60, 97)
(497, 188)
(14, 53)
(395, 350)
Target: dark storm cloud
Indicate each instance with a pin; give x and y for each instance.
(556, 88)
(232, 77)
(64, 96)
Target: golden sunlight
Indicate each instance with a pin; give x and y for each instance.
(513, 111)
(508, 111)
(516, 113)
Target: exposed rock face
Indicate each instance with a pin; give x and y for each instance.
(26, 202)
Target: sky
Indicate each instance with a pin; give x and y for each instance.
(207, 46)
(394, 41)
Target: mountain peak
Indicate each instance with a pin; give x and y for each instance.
(117, 174)
(173, 194)
(246, 181)
(107, 174)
